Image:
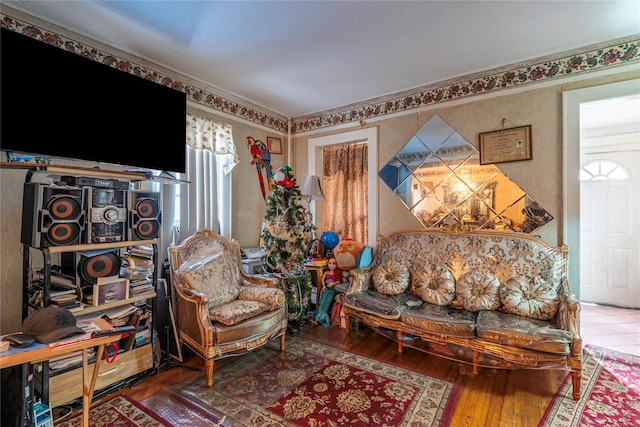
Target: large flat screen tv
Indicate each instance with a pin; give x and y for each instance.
(57, 103)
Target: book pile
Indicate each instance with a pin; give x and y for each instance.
(67, 301)
(140, 287)
(138, 267)
(58, 280)
(63, 290)
(70, 361)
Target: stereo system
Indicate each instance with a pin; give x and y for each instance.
(106, 215)
(75, 213)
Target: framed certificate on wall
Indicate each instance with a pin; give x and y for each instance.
(506, 145)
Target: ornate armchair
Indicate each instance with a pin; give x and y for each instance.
(221, 311)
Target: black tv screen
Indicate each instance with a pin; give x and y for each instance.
(57, 103)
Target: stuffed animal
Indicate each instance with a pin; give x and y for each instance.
(347, 252)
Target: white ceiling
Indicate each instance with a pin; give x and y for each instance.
(300, 57)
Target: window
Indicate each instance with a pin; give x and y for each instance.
(206, 201)
(604, 170)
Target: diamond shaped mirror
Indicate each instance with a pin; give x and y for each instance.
(439, 178)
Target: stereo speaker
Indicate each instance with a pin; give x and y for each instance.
(87, 267)
(145, 215)
(52, 215)
(91, 268)
(106, 215)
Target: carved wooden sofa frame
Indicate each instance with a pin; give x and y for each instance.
(427, 317)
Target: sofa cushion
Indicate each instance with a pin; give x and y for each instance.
(530, 297)
(236, 311)
(522, 332)
(440, 320)
(373, 302)
(214, 276)
(435, 285)
(478, 290)
(271, 297)
(391, 278)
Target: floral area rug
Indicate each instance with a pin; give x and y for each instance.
(610, 392)
(120, 411)
(311, 384)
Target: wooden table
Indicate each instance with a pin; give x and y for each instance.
(43, 353)
(319, 269)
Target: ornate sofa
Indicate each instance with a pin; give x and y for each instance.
(221, 311)
(494, 299)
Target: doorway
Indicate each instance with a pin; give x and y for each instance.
(369, 135)
(602, 218)
(609, 223)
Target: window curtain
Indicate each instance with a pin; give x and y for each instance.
(211, 156)
(344, 183)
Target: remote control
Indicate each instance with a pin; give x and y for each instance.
(114, 331)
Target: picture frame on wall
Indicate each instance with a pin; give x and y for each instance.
(274, 144)
(506, 145)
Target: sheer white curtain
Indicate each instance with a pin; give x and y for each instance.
(211, 155)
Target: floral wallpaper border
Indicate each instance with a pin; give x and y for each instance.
(606, 55)
(602, 57)
(215, 102)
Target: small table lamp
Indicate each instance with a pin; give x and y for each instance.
(312, 189)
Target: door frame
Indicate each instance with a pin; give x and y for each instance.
(571, 101)
(370, 135)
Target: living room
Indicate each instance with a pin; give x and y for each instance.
(537, 103)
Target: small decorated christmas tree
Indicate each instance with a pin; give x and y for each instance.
(283, 237)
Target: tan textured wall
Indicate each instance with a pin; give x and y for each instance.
(540, 177)
(10, 250)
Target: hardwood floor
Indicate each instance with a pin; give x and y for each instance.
(499, 398)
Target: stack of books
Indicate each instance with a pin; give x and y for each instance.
(138, 267)
(140, 287)
(59, 283)
(71, 361)
(63, 289)
(70, 302)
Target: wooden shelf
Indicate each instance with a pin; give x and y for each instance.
(93, 172)
(76, 170)
(94, 246)
(88, 309)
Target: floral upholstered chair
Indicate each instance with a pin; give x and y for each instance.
(220, 310)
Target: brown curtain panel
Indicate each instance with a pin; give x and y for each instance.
(344, 183)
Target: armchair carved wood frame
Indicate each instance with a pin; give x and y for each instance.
(220, 311)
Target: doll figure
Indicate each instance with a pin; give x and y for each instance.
(330, 278)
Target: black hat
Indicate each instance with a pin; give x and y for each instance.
(51, 324)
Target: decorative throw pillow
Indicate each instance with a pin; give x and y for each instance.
(215, 278)
(236, 311)
(435, 285)
(272, 298)
(530, 297)
(478, 290)
(391, 278)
